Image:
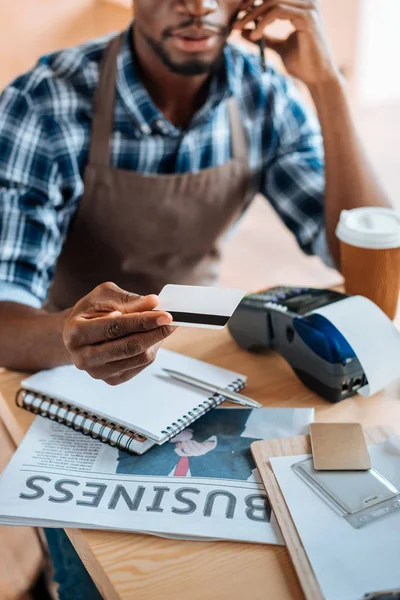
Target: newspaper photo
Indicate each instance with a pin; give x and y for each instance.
(203, 484)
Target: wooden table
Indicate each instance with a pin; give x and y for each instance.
(140, 567)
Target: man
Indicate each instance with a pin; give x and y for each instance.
(128, 160)
(172, 459)
(139, 185)
(214, 446)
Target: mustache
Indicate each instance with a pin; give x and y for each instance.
(220, 30)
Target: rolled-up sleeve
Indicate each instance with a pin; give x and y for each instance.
(30, 236)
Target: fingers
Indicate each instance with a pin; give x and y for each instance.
(193, 448)
(108, 297)
(137, 346)
(116, 370)
(120, 360)
(123, 377)
(297, 11)
(271, 43)
(190, 448)
(296, 16)
(210, 444)
(280, 11)
(246, 4)
(255, 12)
(83, 332)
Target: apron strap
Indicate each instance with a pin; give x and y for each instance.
(103, 113)
(104, 103)
(238, 133)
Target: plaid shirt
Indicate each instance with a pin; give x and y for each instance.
(45, 126)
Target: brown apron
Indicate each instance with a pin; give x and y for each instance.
(144, 231)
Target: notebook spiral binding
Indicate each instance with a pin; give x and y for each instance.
(106, 431)
(200, 410)
(79, 420)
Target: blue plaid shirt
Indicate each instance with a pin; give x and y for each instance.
(45, 126)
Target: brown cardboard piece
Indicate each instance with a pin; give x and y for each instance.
(339, 447)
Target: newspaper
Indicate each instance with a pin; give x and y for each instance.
(203, 484)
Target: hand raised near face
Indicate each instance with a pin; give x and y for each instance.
(305, 53)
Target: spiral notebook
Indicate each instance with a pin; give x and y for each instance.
(149, 409)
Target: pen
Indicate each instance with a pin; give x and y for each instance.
(261, 45)
(384, 595)
(214, 389)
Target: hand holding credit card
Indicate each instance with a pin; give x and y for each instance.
(199, 306)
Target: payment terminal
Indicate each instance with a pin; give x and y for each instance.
(282, 319)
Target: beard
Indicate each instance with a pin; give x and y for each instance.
(191, 67)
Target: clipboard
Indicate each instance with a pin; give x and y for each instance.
(262, 451)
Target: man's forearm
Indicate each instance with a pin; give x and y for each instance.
(31, 339)
(350, 181)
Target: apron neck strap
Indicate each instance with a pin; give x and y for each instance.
(103, 114)
(104, 102)
(238, 134)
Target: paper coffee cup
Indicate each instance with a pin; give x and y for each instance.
(370, 254)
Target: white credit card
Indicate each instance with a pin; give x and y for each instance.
(199, 306)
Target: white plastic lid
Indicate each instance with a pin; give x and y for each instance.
(370, 227)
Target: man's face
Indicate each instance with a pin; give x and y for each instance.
(188, 35)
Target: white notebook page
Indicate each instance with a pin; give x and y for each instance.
(148, 403)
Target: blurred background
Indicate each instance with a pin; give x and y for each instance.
(366, 43)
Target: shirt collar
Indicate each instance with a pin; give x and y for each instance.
(146, 116)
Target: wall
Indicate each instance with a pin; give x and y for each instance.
(341, 19)
(30, 28)
(378, 52)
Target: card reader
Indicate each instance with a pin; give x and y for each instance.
(282, 319)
